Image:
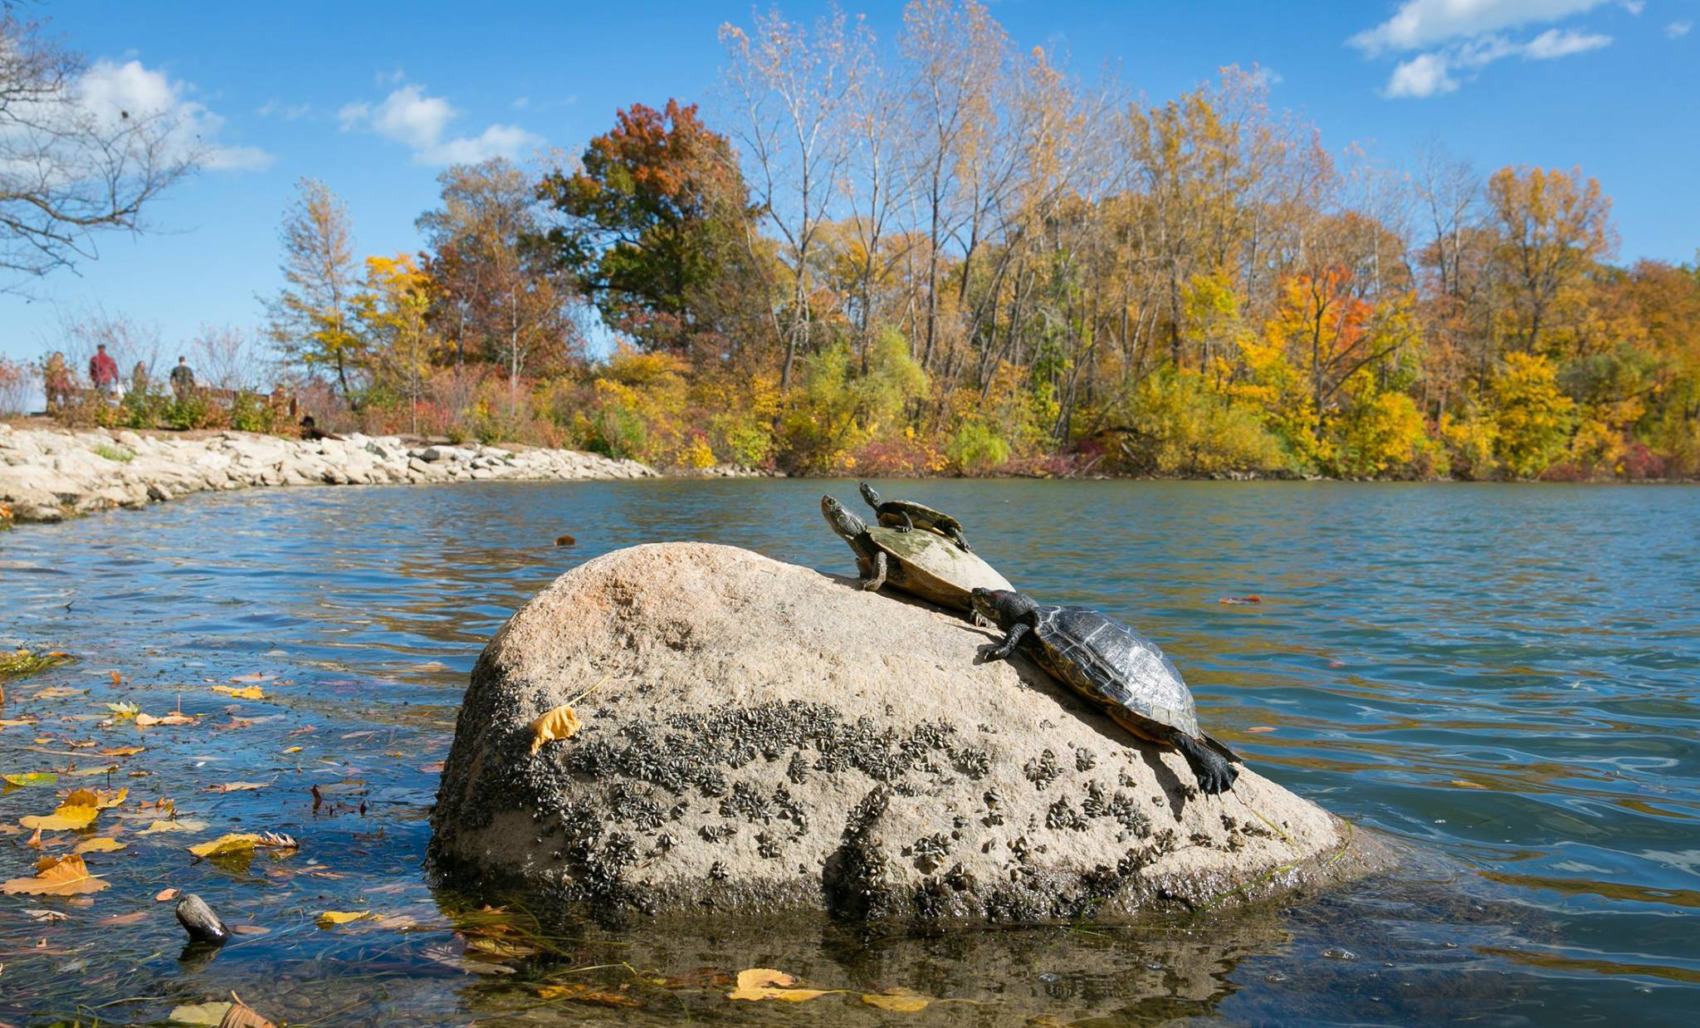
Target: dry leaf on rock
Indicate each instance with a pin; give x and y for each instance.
(560, 723)
(57, 876)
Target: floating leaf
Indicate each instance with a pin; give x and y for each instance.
(1459, 782)
(237, 787)
(1261, 728)
(100, 845)
(293, 749)
(32, 778)
(123, 711)
(77, 811)
(106, 799)
(200, 1013)
(331, 918)
(760, 983)
(57, 876)
(900, 1001)
(49, 916)
(253, 677)
(58, 692)
(145, 720)
(242, 843)
(560, 723)
(241, 1015)
(117, 679)
(248, 929)
(165, 895)
(118, 919)
(579, 993)
(180, 825)
(250, 692)
(122, 751)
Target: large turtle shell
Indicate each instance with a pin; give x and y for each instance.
(933, 568)
(1116, 667)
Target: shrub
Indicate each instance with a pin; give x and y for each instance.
(1182, 426)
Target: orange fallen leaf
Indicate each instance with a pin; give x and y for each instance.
(116, 919)
(57, 876)
(249, 929)
(560, 723)
(579, 993)
(117, 679)
(165, 895)
(1261, 728)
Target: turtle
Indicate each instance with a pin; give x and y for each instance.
(919, 563)
(905, 516)
(1117, 668)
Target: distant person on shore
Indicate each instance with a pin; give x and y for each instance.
(103, 372)
(56, 379)
(182, 378)
(139, 379)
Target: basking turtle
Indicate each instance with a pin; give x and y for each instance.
(905, 516)
(919, 563)
(1117, 668)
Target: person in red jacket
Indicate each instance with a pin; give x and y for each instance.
(103, 371)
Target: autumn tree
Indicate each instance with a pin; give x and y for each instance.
(311, 320)
(647, 220)
(1553, 228)
(392, 310)
(499, 294)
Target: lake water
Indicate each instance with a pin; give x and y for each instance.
(1503, 679)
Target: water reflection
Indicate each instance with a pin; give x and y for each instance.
(1502, 675)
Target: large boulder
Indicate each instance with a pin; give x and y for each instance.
(760, 737)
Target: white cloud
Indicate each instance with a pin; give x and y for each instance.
(1268, 78)
(1422, 75)
(417, 121)
(1422, 23)
(1462, 37)
(521, 104)
(1678, 29)
(1634, 7)
(110, 92)
(1555, 43)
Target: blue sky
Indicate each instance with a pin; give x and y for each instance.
(373, 99)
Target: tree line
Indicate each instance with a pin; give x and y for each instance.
(944, 253)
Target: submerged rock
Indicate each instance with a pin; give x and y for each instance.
(761, 737)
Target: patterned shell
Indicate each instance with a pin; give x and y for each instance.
(888, 514)
(935, 568)
(1110, 663)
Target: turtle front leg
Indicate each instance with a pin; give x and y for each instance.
(873, 584)
(1002, 650)
(959, 539)
(908, 522)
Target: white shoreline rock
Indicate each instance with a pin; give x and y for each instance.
(52, 474)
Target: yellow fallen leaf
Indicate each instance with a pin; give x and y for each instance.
(293, 749)
(331, 918)
(560, 723)
(901, 1001)
(106, 799)
(210, 1014)
(123, 711)
(579, 993)
(100, 845)
(241, 843)
(78, 811)
(1462, 784)
(182, 825)
(32, 778)
(241, 1015)
(759, 983)
(122, 751)
(57, 692)
(249, 692)
(57, 876)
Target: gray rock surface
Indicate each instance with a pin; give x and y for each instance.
(766, 738)
(52, 474)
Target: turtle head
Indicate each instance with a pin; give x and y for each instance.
(846, 524)
(1002, 607)
(868, 494)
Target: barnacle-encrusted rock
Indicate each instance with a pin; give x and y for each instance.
(762, 737)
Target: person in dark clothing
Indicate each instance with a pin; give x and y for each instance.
(311, 431)
(182, 378)
(103, 371)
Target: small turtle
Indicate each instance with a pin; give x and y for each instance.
(1115, 667)
(919, 563)
(905, 516)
